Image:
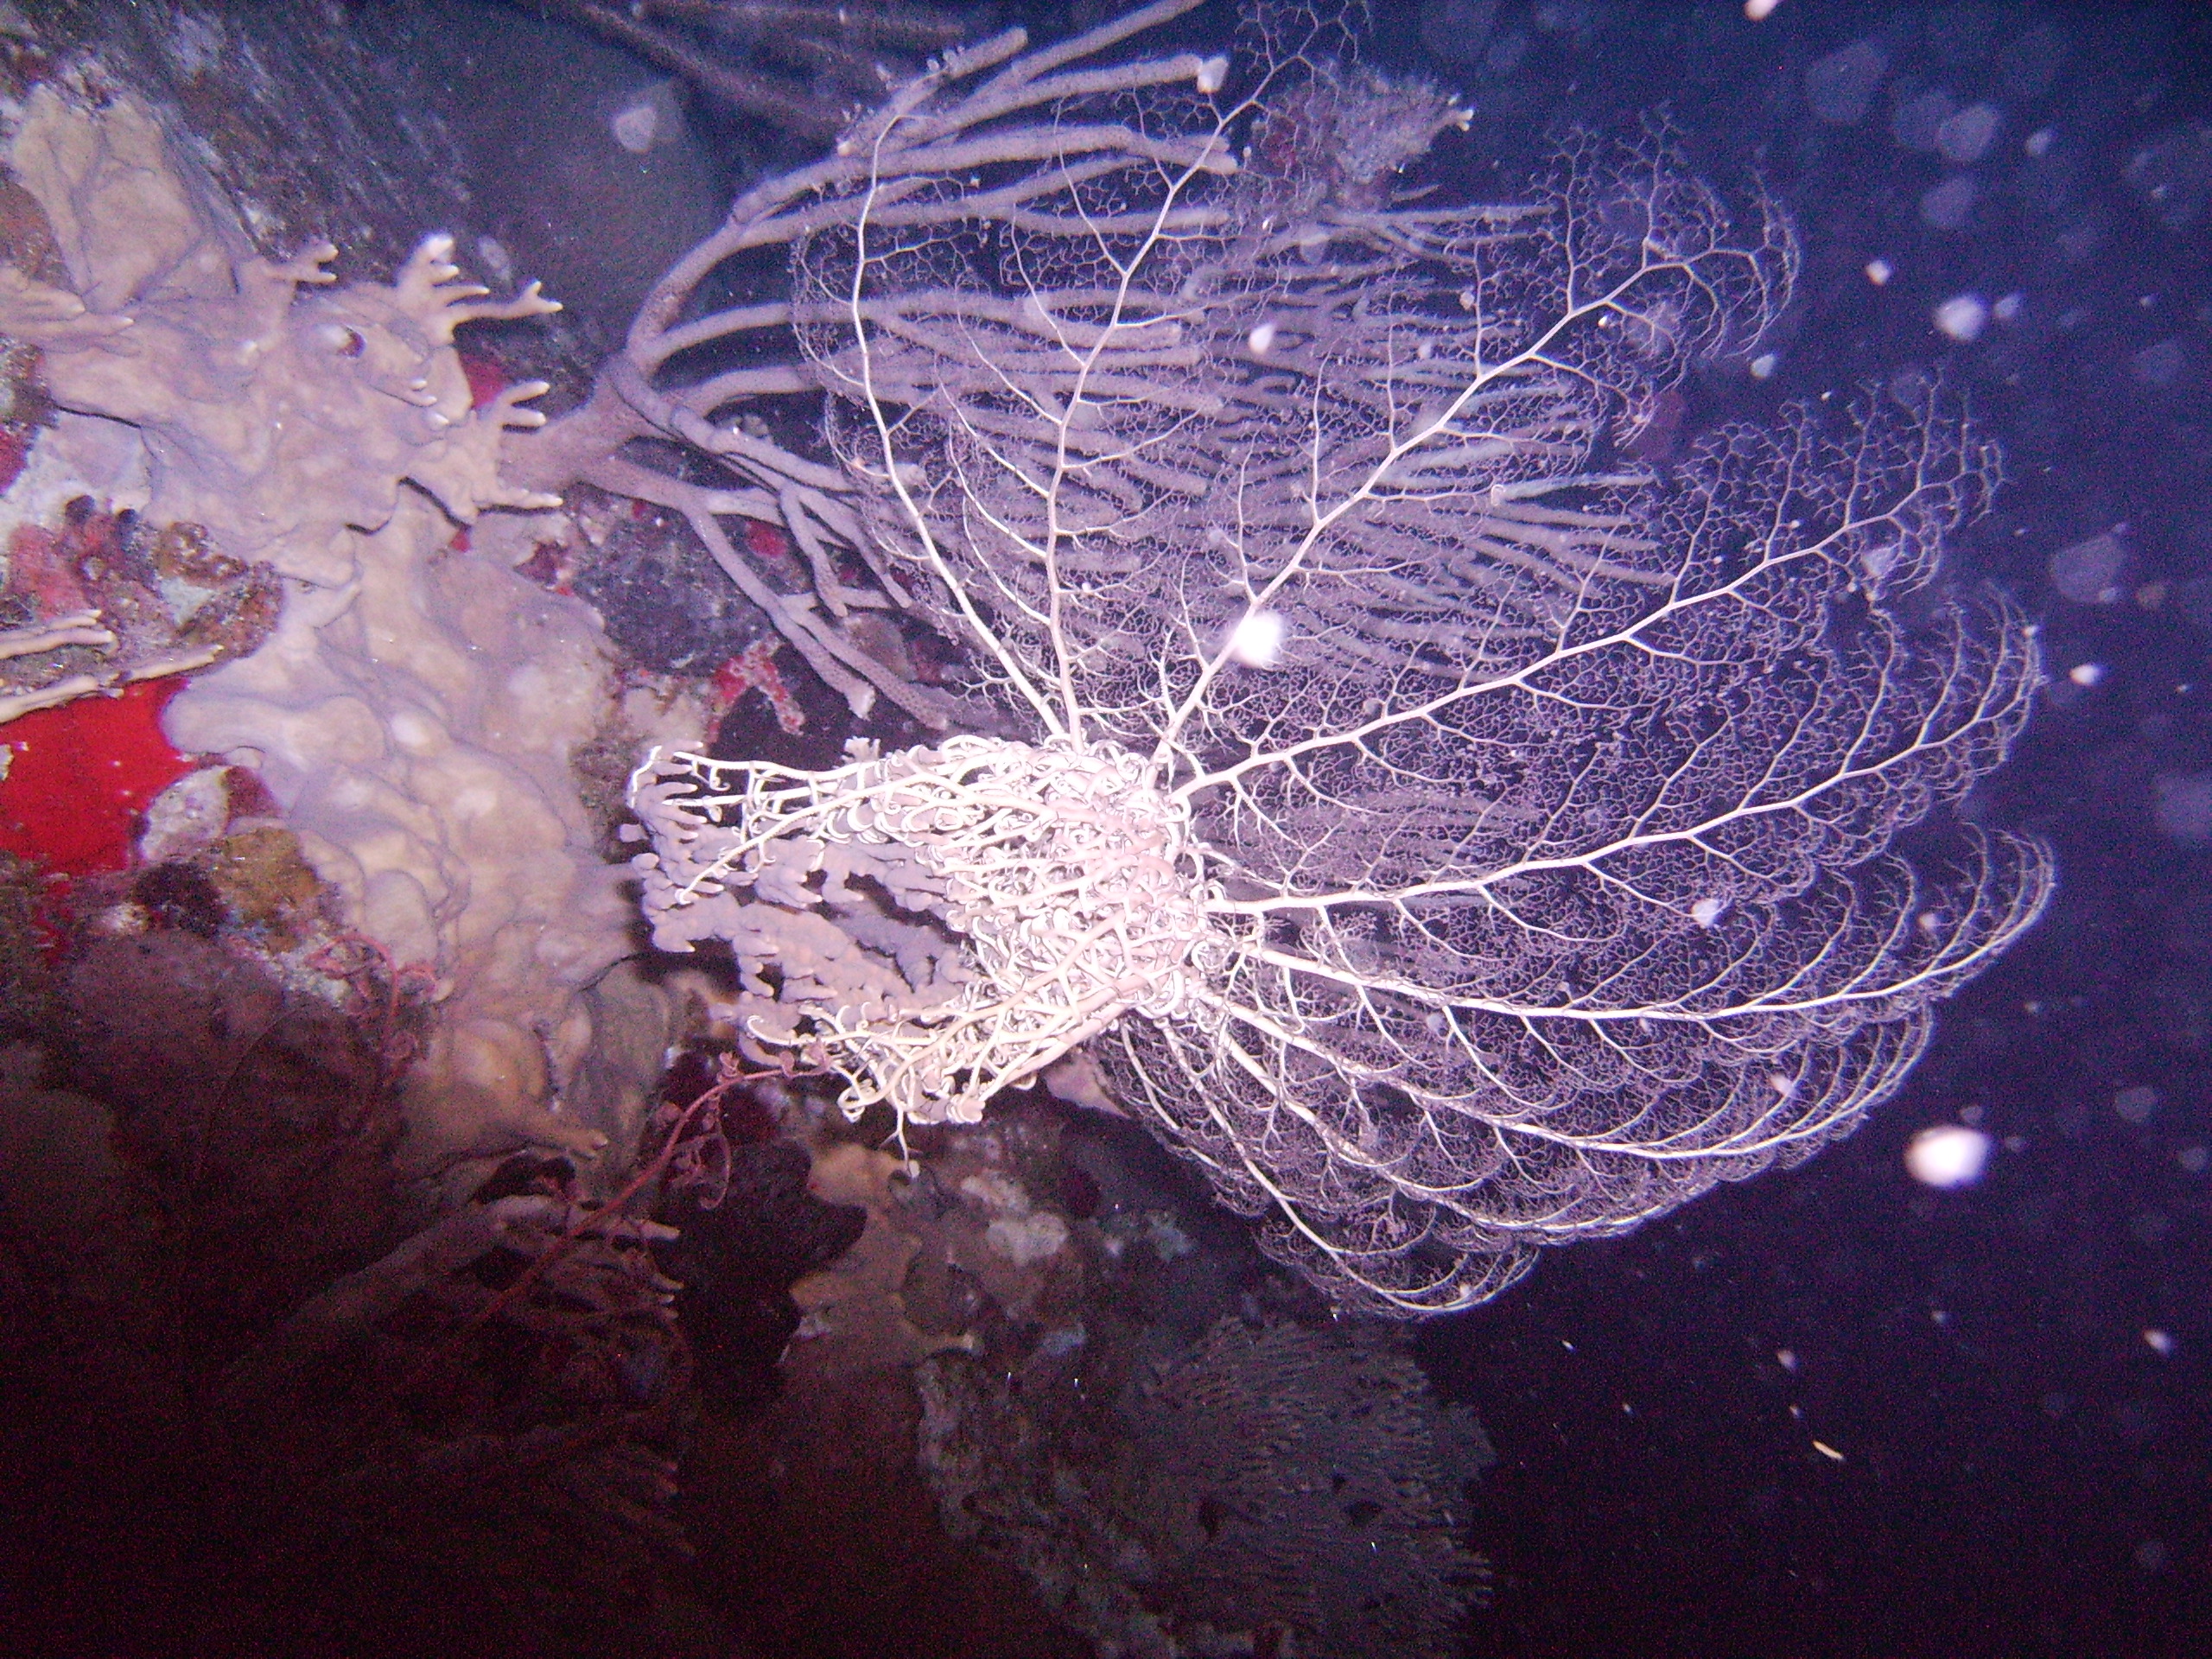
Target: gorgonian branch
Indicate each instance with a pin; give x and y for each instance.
(1454, 833)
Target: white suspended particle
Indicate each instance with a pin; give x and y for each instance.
(1964, 137)
(637, 125)
(2136, 1105)
(1947, 1154)
(1707, 910)
(1213, 75)
(1262, 339)
(1963, 317)
(2160, 1343)
(1762, 365)
(1828, 1451)
(1878, 272)
(1257, 641)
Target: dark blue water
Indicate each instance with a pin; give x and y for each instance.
(2014, 1375)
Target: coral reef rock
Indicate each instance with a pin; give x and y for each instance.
(414, 712)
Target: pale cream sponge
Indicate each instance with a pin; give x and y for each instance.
(415, 710)
(416, 725)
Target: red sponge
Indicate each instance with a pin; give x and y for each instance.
(81, 775)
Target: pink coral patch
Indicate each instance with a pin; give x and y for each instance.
(755, 670)
(41, 569)
(765, 541)
(486, 379)
(15, 450)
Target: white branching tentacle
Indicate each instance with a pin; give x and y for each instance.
(1072, 882)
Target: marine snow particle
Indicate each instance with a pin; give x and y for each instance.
(1257, 641)
(2088, 571)
(2087, 674)
(1878, 272)
(1762, 365)
(1963, 316)
(1947, 1154)
(635, 124)
(2135, 1105)
(1915, 122)
(2157, 365)
(2040, 142)
(496, 258)
(1946, 207)
(1705, 912)
(2160, 1343)
(1839, 87)
(1963, 137)
(2172, 175)
(1262, 339)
